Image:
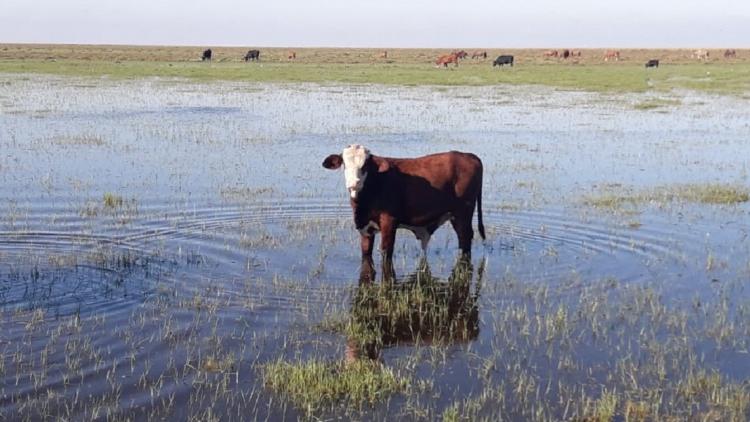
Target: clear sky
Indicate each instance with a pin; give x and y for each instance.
(380, 23)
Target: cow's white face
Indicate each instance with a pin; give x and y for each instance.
(355, 157)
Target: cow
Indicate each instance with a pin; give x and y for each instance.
(479, 54)
(417, 194)
(206, 55)
(652, 63)
(611, 54)
(730, 53)
(448, 58)
(700, 54)
(461, 54)
(503, 60)
(252, 55)
(290, 55)
(384, 54)
(575, 53)
(551, 53)
(565, 53)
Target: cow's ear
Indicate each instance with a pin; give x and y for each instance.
(382, 165)
(333, 161)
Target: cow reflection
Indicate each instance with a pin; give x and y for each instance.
(421, 309)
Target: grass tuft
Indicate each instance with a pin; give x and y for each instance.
(112, 201)
(313, 384)
(655, 103)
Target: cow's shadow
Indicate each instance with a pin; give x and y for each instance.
(418, 310)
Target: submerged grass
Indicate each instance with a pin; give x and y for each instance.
(314, 383)
(112, 201)
(655, 103)
(719, 194)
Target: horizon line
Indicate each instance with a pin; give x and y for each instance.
(361, 47)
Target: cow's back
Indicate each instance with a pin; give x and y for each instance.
(428, 187)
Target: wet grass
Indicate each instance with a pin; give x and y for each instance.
(312, 384)
(717, 194)
(112, 201)
(595, 350)
(655, 103)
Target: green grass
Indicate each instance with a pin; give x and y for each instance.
(313, 384)
(726, 78)
(718, 194)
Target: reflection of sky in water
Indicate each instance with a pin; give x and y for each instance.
(162, 140)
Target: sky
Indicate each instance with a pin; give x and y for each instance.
(381, 23)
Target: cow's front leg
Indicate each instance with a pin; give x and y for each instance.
(367, 269)
(387, 242)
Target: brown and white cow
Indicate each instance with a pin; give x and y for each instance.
(417, 194)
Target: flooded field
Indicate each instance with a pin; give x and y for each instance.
(176, 250)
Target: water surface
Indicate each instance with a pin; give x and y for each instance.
(224, 244)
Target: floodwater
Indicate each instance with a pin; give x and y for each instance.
(160, 241)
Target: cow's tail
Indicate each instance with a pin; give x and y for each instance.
(480, 224)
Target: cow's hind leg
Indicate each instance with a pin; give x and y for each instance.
(462, 225)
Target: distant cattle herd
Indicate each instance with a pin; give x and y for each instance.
(505, 59)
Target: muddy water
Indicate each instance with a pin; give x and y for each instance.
(161, 240)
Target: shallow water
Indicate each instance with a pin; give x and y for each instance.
(227, 241)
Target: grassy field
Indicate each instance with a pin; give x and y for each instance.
(402, 67)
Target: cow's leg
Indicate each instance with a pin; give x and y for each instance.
(387, 242)
(367, 270)
(462, 225)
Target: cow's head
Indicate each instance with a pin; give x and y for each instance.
(357, 163)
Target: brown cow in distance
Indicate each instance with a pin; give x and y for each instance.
(730, 54)
(479, 54)
(417, 194)
(448, 58)
(565, 53)
(291, 55)
(551, 53)
(611, 54)
(461, 54)
(384, 54)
